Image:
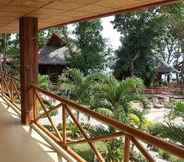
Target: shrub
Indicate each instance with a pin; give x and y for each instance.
(43, 81)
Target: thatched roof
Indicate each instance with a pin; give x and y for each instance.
(54, 53)
(164, 68)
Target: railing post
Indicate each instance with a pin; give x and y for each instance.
(127, 149)
(29, 65)
(64, 124)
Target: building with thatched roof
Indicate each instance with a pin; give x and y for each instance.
(164, 69)
(52, 57)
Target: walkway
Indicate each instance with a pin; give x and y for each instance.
(16, 144)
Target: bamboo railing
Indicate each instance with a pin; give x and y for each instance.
(47, 103)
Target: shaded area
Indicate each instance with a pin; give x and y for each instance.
(15, 144)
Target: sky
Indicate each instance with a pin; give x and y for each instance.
(109, 33)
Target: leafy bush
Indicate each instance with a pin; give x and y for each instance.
(73, 130)
(114, 151)
(133, 119)
(171, 131)
(43, 81)
(179, 109)
(85, 151)
(148, 125)
(168, 156)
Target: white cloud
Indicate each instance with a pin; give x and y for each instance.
(110, 33)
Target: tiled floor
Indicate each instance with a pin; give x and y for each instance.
(17, 145)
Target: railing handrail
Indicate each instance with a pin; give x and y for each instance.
(147, 138)
(131, 134)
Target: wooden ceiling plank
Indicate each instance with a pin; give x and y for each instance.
(60, 12)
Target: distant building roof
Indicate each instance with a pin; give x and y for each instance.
(165, 68)
(54, 53)
(55, 40)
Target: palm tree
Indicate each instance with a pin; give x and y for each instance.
(106, 95)
(76, 86)
(113, 97)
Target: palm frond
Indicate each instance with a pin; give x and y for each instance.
(171, 131)
(105, 112)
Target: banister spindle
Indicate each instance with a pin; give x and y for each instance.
(127, 149)
(64, 123)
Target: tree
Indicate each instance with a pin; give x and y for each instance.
(171, 40)
(90, 55)
(139, 31)
(108, 96)
(76, 86)
(113, 97)
(175, 22)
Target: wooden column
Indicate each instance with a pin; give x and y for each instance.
(28, 29)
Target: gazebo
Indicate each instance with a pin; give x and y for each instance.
(28, 17)
(164, 69)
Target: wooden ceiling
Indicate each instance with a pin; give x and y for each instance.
(60, 12)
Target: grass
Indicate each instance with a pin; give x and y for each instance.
(85, 151)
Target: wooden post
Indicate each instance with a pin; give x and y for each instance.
(64, 124)
(127, 149)
(28, 28)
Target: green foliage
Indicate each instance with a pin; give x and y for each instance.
(74, 131)
(43, 81)
(176, 110)
(146, 36)
(91, 47)
(133, 119)
(148, 125)
(168, 156)
(93, 132)
(76, 86)
(104, 94)
(85, 151)
(114, 151)
(171, 131)
(105, 112)
(179, 109)
(135, 56)
(116, 95)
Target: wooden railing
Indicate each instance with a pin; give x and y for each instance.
(47, 104)
(69, 108)
(10, 89)
(165, 90)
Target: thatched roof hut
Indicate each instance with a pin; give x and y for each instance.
(52, 57)
(164, 68)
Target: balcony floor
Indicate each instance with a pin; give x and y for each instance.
(17, 145)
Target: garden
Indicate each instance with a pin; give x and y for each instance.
(140, 84)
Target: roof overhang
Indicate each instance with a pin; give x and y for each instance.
(61, 12)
